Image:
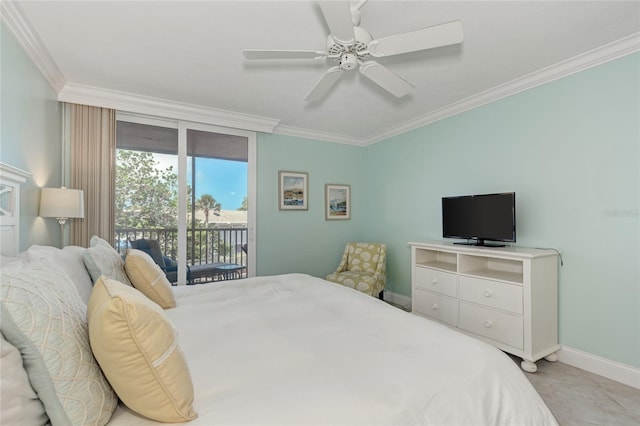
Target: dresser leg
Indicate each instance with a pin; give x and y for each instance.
(552, 357)
(528, 366)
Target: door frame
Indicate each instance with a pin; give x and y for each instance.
(183, 126)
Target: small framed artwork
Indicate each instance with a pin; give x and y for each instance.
(337, 202)
(293, 191)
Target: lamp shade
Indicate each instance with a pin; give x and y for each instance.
(61, 203)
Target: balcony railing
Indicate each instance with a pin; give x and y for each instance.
(204, 245)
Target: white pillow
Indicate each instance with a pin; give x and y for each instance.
(5, 260)
(102, 259)
(70, 260)
(19, 403)
(44, 317)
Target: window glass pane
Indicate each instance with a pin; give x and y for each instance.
(146, 195)
(217, 180)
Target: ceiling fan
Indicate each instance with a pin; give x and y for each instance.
(351, 46)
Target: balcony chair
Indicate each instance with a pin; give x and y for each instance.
(168, 265)
(362, 267)
(200, 273)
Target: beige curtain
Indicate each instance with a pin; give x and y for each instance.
(92, 168)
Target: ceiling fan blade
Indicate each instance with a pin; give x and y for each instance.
(282, 54)
(384, 78)
(325, 84)
(338, 17)
(426, 38)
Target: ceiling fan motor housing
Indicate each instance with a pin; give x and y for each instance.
(349, 55)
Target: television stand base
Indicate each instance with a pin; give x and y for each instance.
(479, 243)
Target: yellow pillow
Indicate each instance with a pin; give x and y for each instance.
(146, 276)
(137, 349)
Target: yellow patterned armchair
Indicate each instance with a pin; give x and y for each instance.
(362, 267)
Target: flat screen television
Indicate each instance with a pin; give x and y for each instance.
(480, 218)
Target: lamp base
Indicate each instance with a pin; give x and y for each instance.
(62, 221)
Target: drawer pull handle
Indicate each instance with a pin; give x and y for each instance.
(487, 293)
(488, 324)
(434, 306)
(434, 281)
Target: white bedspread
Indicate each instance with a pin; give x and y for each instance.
(297, 350)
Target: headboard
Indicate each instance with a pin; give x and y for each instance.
(10, 180)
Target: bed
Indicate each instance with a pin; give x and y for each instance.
(294, 349)
(298, 350)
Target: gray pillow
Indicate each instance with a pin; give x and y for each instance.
(70, 260)
(44, 317)
(102, 259)
(19, 403)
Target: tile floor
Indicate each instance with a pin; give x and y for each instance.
(577, 397)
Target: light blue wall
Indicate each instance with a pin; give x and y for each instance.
(31, 136)
(570, 151)
(303, 241)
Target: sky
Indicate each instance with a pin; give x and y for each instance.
(226, 181)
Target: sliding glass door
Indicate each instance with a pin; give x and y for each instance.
(217, 231)
(190, 188)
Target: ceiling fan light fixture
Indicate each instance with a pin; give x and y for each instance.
(348, 61)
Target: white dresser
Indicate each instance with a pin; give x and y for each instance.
(506, 296)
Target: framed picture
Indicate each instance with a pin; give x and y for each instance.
(293, 191)
(337, 202)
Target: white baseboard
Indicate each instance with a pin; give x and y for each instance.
(604, 367)
(398, 299)
(613, 370)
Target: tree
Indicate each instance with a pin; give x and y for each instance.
(145, 197)
(245, 204)
(207, 203)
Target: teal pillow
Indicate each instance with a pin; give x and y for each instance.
(44, 317)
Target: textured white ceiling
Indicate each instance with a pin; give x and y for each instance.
(191, 52)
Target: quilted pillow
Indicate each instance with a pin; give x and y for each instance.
(147, 277)
(137, 348)
(44, 317)
(102, 259)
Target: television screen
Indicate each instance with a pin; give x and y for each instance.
(480, 217)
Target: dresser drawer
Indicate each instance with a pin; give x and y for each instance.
(507, 297)
(438, 306)
(495, 325)
(438, 281)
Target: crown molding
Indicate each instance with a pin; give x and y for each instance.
(31, 43)
(128, 102)
(609, 52)
(7, 171)
(318, 135)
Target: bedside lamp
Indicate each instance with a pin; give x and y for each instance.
(62, 203)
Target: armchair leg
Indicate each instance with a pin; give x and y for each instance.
(381, 295)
